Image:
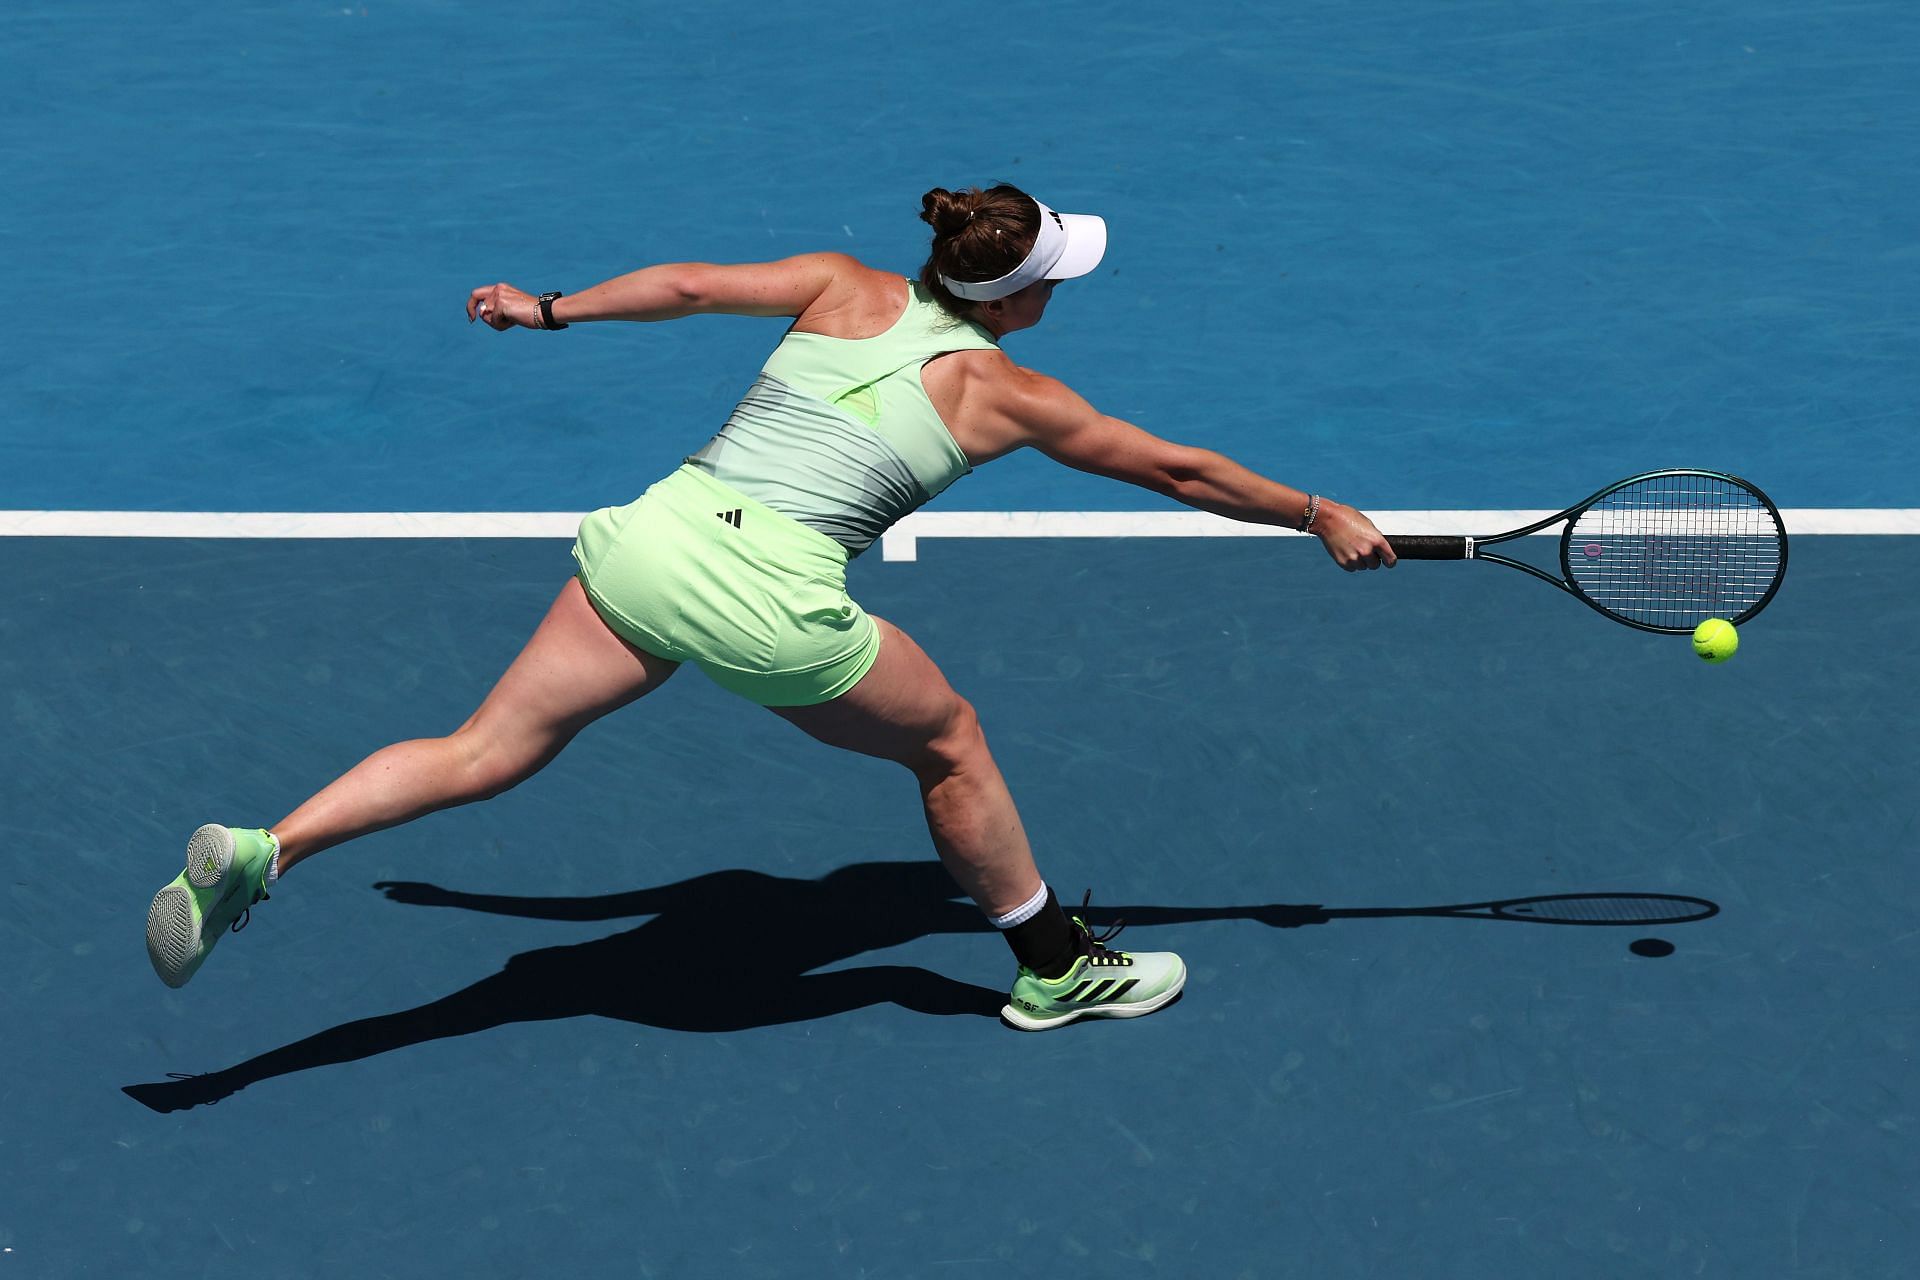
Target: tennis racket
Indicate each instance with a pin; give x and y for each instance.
(1663, 551)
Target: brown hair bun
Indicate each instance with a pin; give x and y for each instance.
(949, 212)
(977, 235)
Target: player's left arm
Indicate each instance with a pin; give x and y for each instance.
(675, 289)
(1062, 425)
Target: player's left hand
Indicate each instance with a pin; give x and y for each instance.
(1350, 538)
(501, 306)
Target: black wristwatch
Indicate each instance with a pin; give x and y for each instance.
(546, 310)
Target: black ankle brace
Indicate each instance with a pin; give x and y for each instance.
(1047, 943)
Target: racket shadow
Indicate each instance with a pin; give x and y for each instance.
(1587, 910)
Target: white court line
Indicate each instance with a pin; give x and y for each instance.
(902, 542)
(289, 524)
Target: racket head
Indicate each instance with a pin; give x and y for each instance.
(1666, 550)
(1605, 909)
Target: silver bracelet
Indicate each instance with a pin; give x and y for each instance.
(1313, 511)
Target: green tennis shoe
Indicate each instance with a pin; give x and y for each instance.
(1101, 984)
(226, 874)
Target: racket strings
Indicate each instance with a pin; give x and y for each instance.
(1673, 550)
(1607, 909)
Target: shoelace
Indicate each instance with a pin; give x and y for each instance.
(1097, 941)
(246, 912)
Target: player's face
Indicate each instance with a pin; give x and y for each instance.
(1023, 310)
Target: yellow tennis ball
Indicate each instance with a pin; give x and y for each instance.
(1715, 640)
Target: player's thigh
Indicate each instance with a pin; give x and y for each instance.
(573, 671)
(903, 709)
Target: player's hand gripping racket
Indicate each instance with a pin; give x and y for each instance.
(1663, 551)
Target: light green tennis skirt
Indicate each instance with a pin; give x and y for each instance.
(698, 572)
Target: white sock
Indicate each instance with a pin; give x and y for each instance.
(273, 863)
(1024, 912)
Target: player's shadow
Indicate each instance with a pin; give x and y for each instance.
(724, 951)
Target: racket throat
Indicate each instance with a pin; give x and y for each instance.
(1466, 549)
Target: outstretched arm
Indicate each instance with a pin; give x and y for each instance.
(1048, 415)
(672, 290)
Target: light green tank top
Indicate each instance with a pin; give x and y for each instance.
(839, 434)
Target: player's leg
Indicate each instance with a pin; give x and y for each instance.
(570, 673)
(573, 671)
(904, 710)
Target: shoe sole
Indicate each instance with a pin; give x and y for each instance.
(209, 854)
(1026, 1022)
(173, 939)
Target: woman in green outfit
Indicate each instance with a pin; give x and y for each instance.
(882, 393)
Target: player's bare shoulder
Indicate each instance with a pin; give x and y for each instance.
(977, 394)
(1037, 408)
(854, 300)
(1043, 402)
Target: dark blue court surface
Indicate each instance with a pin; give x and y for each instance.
(404, 1067)
(697, 1001)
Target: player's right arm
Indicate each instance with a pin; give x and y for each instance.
(1046, 414)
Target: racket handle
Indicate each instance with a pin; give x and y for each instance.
(1420, 546)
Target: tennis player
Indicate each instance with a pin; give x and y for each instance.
(882, 393)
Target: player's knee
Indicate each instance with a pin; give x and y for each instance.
(959, 742)
(490, 764)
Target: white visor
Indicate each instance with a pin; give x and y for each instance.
(1069, 245)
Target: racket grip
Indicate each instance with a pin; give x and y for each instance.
(1421, 546)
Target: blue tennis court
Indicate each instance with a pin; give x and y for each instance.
(1427, 259)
